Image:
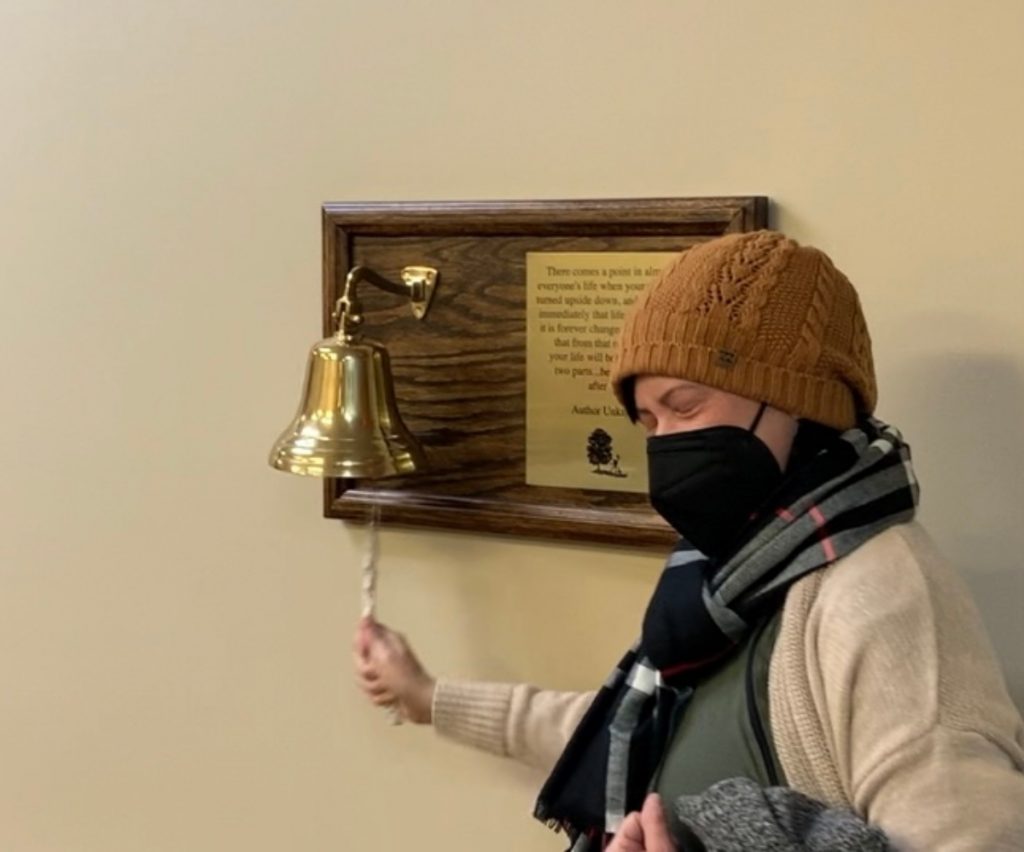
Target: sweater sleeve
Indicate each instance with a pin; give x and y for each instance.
(511, 720)
(915, 713)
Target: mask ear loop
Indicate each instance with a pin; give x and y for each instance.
(757, 419)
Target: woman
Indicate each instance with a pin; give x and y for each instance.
(805, 634)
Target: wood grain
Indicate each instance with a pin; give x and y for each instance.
(460, 373)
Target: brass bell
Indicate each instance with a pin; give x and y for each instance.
(348, 423)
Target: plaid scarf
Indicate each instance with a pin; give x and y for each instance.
(854, 487)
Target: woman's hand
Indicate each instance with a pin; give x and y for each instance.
(644, 831)
(389, 673)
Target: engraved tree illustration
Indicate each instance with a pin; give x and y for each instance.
(599, 449)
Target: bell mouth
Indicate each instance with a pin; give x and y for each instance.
(344, 459)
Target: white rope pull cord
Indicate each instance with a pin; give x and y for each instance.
(369, 586)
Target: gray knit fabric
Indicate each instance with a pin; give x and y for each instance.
(737, 815)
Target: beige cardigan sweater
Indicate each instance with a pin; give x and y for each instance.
(885, 697)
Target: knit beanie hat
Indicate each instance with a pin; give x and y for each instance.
(760, 316)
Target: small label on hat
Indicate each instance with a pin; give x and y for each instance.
(725, 358)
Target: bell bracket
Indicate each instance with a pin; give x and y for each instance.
(418, 285)
(420, 281)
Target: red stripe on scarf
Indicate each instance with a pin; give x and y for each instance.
(826, 541)
(695, 664)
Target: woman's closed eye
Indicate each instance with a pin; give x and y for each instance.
(673, 417)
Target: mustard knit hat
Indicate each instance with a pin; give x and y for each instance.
(756, 315)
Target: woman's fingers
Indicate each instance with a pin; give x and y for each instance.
(646, 831)
(629, 837)
(366, 668)
(388, 671)
(655, 826)
(379, 694)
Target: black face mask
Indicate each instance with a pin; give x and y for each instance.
(709, 482)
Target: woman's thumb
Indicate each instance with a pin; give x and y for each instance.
(367, 631)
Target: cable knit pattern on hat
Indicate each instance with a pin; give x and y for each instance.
(757, 315)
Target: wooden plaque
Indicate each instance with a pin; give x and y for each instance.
(460, 372)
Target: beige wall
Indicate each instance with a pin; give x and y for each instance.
(174, 616)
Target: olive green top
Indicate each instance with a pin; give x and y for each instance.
(717, 737)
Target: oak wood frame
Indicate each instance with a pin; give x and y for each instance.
(460, 373)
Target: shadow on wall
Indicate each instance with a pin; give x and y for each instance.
(971, 466)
